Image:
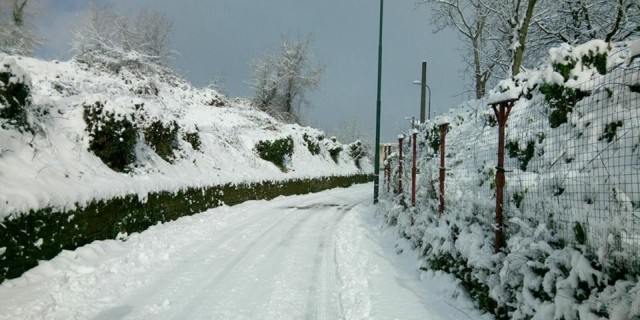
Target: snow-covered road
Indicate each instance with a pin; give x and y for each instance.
(304, 257)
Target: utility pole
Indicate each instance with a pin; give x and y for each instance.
(376, 163)
(423, 92)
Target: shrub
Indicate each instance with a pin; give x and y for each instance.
(356, 152)
(275, 151)
(163, 139)
(524, 156)
(610, 131)
(112, 138)
(14, 98)
(489, 119)
(312, 146)
(334, 148)
(599, 61)
(561, 101)
(193, 138)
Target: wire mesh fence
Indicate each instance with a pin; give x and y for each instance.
(578, 169)
(572, 163)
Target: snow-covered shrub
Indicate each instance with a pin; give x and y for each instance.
(112, 136)
(14, 99)
(193, 138)
(312, 146)
(570, 66)
(163, 139)
(524, 156)
(357, 152)
(334, 147)
(561, 100)
(276, 151)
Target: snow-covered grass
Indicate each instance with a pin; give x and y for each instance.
(54, 165)
(571, 200)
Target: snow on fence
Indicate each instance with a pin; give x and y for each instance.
(573, 165)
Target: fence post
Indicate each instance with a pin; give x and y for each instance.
(385, 157)
(400, 138)
(387, 169)
(414, 169)
(501, 110)
(443, 135)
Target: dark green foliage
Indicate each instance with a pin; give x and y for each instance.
(561, 101)
(565, 68)
(524, 156)
(635, 88)
(579, 233)
(112, 140)
(434, 136)
(356, 152)
(518, 197)
(599, 61)
(312, 146)
(334, 152)
(478, 291)
(609, 92)
(275, 151)
(14, 98)
(163, 139)
(610, 131)
(193, 138)
(105, 219)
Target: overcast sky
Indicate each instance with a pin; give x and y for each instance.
(219, 38)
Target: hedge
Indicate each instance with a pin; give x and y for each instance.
(41, 234)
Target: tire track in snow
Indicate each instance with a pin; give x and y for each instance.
(351, 268)
(278, 238)
(321, 303)
(179, 275)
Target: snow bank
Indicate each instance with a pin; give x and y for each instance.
(52, 167)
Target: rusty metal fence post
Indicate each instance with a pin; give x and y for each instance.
(443, 135)
(501, 110)
(400, 139)
(414, 168)
(385, 161)
(387, 169)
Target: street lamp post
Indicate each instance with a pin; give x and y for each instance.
(376, 166)
(423, 85)
(422, 98)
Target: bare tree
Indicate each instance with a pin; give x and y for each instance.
(579, 21)
(282, 80)
(511, 20)
(111, 40)
(470, 19)
(16, 35)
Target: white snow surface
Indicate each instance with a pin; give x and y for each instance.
(318, 256)
(54, 167)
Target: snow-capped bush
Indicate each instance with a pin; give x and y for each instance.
(278, 151)
(14, 100)
(163, 139)
(113, 136)
(334, 147)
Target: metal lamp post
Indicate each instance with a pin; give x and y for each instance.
(376, 166)
(422, 99)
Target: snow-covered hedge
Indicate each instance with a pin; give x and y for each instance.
(559, 262)
(41, 234)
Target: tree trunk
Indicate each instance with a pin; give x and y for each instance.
(522, 38)
(480, 82)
